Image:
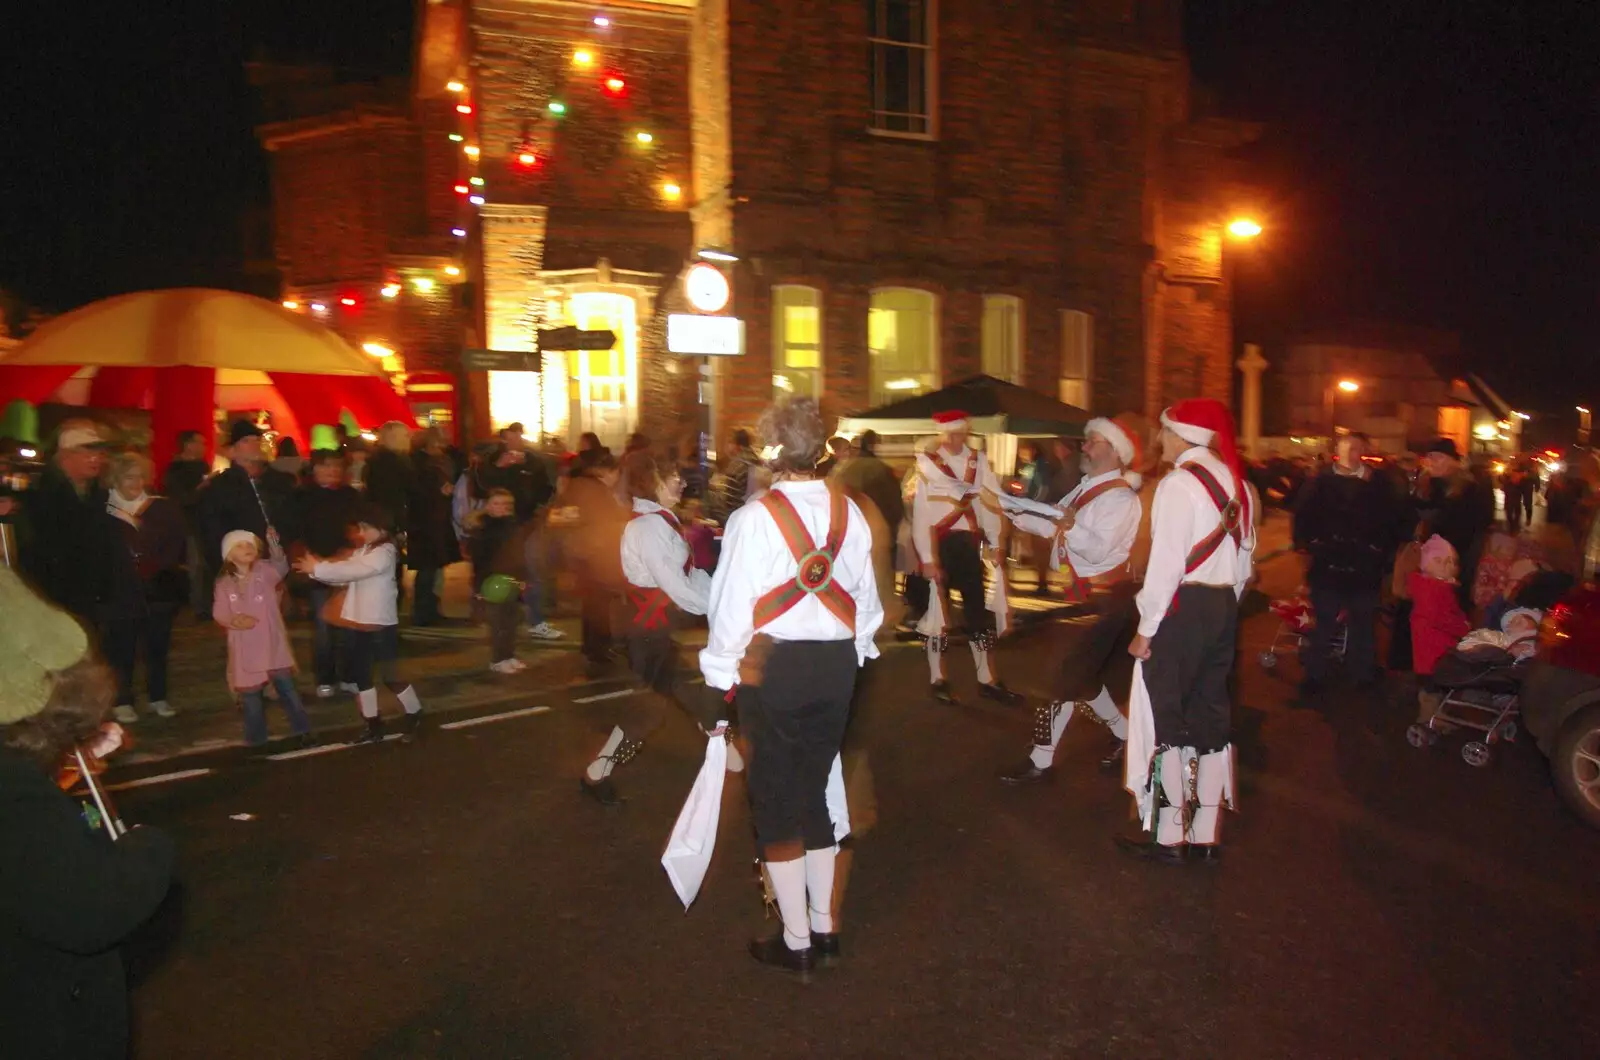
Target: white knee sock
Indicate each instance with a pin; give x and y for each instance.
(980, 659)
(1043, 756)
(819, 888)
(600, 768)
(789, 887)
(367, 700)
(1169, 819)
(735, 759)
(408, 699)
(1210, 785)
(935, 662)
(1106, 708)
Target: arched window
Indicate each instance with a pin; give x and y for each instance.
(796, 341)
(903, 343)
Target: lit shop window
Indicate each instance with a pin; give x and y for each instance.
(1077, 357)
(902, 343)
(796, 341)
(1002, 337)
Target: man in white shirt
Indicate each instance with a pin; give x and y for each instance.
(794, 607)
(1180, 755)
(661, 580)
(955, 512)
(1091, 540)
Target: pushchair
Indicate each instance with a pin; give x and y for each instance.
(1480, 690)
(1295, 620)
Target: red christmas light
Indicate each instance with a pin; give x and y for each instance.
(347, 301)
(463, 108)
(616, 86)
(527, 159)
(462, 189)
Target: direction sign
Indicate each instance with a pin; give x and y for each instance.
(563, 339)
(499, 361)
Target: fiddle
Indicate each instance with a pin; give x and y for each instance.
(87, 761)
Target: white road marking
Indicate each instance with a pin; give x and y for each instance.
(164, 778)
(608, 695)
(487, 718)
(324, 749)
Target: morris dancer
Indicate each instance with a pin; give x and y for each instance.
(662, 580)
(1092, 539)
(949, 524)
(794, 606)
(1180, 758)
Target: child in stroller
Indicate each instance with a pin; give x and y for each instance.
(1476, 685)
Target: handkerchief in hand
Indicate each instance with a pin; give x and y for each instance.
(694, 837)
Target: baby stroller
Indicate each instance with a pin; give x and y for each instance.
(1295, 620)
(1479, 689)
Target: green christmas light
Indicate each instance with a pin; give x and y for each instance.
(456, 137)
(557, 108)
(476, 182)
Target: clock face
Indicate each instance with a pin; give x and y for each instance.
(706, 288)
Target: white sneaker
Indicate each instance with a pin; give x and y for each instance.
(326, 691)
(162, 708)
(349, 687)
(504, 666)
(545, 631)
(517, 665)
(125, 714)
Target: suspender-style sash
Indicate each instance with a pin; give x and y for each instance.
(652, 606)
(1227, 526)
(962, 508)
(1076, 592)
(813, 565)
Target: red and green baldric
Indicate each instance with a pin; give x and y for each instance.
(652, 607)
(962, 509)
(813, 565)
(1230, 525)
(1075, 591)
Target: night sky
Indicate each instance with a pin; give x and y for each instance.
(1431, 162)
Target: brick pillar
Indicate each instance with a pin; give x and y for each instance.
(512, 293)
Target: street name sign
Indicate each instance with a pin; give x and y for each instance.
(499, 361)
(705, 336)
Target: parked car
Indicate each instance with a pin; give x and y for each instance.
(1561, 694)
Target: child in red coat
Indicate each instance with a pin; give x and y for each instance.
(1437, 621)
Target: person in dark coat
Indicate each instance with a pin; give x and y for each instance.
(69, 896)
(182, 484)
(431, 543)
(1348, 520)
(149, 583)
(595, 551)
(1454, 504)
(241, 498)
(318, 518)
(388, 476)
(65, 539)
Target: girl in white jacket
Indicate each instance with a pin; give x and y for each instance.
(368, 610)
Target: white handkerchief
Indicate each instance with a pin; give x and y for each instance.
(838, 805)
(694, 837)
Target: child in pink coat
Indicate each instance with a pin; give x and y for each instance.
(245, 603)
(1437, 621)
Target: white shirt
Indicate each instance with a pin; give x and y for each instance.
(755, 560)
(654, 555)
(1183, 515)
(1102, 533)
(937, 494)
(370, 589)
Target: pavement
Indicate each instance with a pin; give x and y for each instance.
(458, 898)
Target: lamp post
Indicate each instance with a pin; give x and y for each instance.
(1331, 398)
(1583, 425)
(1252, 364)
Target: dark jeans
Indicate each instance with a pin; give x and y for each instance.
(1361, 650)
(425, 597)
(796, 721)
(961, 565)
(597, 605)
(255, 709)
(122, 640)
(375, 647)
(327, 641)
(503, 619)
(1191, 661)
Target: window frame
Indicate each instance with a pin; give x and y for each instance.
(930, 74)
(1013, 356)
(880, 395)
(781, 344)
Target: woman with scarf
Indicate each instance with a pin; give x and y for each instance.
(149, 582)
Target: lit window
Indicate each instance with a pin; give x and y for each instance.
(1002, 337)
(903, 343)
(1077, 357)
(796, 341)
(903, 70)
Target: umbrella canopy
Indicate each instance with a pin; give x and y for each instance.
(191, 326)
(993, 405)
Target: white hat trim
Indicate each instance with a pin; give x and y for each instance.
(1113, 433)
(1187, 431)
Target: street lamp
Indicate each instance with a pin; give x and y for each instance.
(1349, 386)
(1244, 228)
(1331, 403)
(1584, 425)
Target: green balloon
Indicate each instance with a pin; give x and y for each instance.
(498, 588)
(20, 422)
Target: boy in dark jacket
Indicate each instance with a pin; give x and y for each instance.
(496, 547)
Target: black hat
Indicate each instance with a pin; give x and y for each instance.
(239, 430)
(1446, 446)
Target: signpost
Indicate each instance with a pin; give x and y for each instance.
(564, 339)
(705, 336)
(552, 339)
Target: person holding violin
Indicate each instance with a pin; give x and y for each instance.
(69, 895)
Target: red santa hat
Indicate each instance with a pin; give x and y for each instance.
(1123, 438)
(951, 420)
(1207, 421)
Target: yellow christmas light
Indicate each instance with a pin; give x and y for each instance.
(644, 137)
(422, 283)
(583, 57)
(471, 151)
(452, 270)
(671, 192)
(455, 86)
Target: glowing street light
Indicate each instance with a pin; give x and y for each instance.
(1581, 409)
(1349, 386)
(1243, 228)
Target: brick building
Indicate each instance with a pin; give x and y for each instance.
(915, 191)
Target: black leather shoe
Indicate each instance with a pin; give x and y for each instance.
(1209, 854)
(602, 791)
(1026, 773)
(776, 952)
(412, 727)
(1000, 694)
(1114, 757)
(825, 945)
(1150, 850)
(941, 691)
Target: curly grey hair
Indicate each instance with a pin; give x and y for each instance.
(795, 428)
